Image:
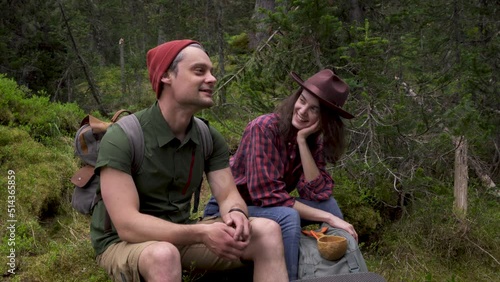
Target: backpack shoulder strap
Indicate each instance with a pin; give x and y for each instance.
(206, 137)
(132, 128)
(208, 147)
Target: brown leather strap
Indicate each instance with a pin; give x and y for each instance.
(118, 113)
(89, 118)
(83, 176)
(85, 120)
(97, 125)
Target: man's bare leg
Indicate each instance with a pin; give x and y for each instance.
(160, 261)
(266, 251)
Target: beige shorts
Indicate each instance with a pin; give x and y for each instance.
(121, 260)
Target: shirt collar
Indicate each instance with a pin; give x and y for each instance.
(164, 134)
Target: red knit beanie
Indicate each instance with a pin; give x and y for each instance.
(160, 58)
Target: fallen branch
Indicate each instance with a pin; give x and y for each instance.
(485, 251)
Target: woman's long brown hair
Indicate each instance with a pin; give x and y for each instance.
(332, 128)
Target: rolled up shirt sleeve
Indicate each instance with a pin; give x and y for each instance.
(320, 188)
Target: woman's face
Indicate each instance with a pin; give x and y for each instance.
(306, 111)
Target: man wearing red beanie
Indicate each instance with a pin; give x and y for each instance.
(151, 236)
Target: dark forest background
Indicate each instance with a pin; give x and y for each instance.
(418, 181)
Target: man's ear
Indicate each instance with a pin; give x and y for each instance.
(166, 78)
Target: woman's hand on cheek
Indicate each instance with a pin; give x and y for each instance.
(305, 132)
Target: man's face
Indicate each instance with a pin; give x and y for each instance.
(194, 83)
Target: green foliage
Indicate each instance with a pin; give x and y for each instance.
(36, 114)
(239, 43)
(432, 238)
(22, 239)
(68, 250)
(33, 46)
(361, 198)
(137, 96)
(231, 130)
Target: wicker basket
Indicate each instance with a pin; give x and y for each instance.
(332, 247)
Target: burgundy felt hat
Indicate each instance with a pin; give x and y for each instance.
(160, 58)
(329, 88)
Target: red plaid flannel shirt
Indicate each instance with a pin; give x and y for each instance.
(266, 168)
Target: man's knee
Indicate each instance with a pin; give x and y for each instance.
(155, 257)
(267, 241)
(161, 253)
(266, 229)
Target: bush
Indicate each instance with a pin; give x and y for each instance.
(431, 244)
(41, 118)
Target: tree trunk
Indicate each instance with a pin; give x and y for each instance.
(220, 44)
(461, 176)
(261, 30)
(122, 65)
(356, 13)
(70, 88)
(484, 177)
(161, 33)
(97, 32)
(93, 87)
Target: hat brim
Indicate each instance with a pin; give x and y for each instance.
(337, 109)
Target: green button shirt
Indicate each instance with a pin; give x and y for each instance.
(161, 180)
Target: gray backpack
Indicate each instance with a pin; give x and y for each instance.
(312, 265)
(87, 140)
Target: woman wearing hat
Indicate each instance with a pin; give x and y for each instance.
(287, 150)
